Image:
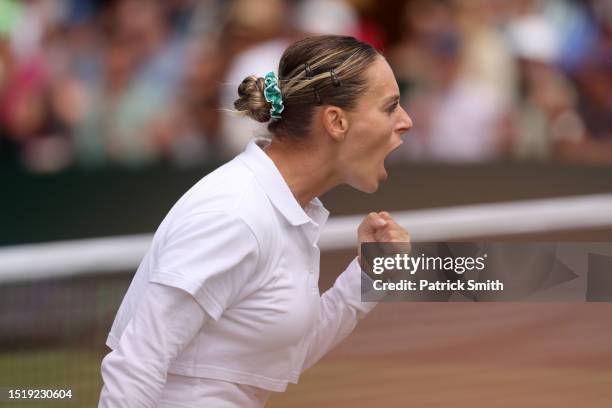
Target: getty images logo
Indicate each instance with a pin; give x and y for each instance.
(412, 264)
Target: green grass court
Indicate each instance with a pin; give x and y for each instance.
(53, 369)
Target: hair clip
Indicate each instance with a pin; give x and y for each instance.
(334, 78)
(308, 71)
(309, 75)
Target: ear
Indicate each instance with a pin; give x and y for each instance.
(335, 122)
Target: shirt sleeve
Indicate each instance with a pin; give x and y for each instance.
(211, 256)
(164, 322)
(341, 309)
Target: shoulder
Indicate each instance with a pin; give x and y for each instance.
(232, 197)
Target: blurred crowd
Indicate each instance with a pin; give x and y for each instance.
(132, 82)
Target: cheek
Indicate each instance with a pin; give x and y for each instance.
(377, 138)
(370, 140)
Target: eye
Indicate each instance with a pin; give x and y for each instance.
(392, 108)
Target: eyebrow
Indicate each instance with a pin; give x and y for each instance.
(392, 98)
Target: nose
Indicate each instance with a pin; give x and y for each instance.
(405, 122)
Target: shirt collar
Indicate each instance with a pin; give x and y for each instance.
(277, 190)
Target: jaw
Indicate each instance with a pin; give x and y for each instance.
(370, 189)
(370, 181)
(367, 185)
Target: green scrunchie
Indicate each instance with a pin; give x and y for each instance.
(273, 95)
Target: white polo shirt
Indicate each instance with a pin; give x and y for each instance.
(243, 247)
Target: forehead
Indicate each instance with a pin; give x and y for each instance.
(381, 81)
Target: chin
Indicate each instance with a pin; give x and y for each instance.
(368, 187)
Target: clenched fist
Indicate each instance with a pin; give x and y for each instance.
(380, 227)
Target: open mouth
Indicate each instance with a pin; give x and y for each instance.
(383, 170)
(384, 174)
(401, 142)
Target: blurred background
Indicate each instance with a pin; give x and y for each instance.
(110, 110)
(130, 83)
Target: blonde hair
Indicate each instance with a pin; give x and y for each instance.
(315, 71)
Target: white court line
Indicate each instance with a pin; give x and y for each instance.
(124, 253)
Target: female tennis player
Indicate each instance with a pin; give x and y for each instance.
(225, 307)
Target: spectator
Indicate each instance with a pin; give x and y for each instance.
(458, 117)
(133, 82)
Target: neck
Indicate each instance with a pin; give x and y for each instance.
(307, 170)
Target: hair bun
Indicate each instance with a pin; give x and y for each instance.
(252, 100)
